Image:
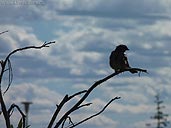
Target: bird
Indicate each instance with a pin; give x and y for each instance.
(118, 59)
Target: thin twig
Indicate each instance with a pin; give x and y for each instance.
(78, 93)
(59, 107)
(10, 75)
(88, 104)
(63, 123)
(70, 120)
(18, 108)
(30, 47)
(88, 118)
(3, 32)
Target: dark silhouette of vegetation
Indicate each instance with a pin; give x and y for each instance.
(6, 66)
(159, 116)
(79, 104)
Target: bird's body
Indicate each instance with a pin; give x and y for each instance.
(118, 60)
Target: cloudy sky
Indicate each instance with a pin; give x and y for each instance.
(86, 31)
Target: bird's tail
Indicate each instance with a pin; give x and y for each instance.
(133, 71)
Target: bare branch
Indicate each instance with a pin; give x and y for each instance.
(3, 32)
(76, 106)
(3, 66)
(18, 108)
(88, 104)
(63, 123)
(88, 118)
(10, 75)
(29, 47)
(137, 69)
(78, 93)
(3, 63)
(4, 110)
(133, 70)
(70, 120)
(59, 107)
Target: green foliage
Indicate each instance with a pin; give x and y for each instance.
(28, 126)
(20, 124)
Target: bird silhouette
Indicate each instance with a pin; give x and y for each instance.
(118, 59)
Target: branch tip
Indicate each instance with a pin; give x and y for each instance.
(118, 97)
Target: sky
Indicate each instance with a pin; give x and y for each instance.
(85, 32)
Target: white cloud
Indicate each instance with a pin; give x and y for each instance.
(145, 123)
(120, 107)
(86, 33)
(134, 89)
(18, 37)
(80, 86)
(37, 94)
(165, 71)
(43, 99)
(70, 47)
(132, 109)
(57, 10)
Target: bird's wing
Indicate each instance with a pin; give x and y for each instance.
(126, 63)
(113, 60)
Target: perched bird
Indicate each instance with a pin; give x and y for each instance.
(118, 60)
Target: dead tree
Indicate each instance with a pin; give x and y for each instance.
(66, 116)
(6, 67)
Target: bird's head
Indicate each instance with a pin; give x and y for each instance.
(121, 48)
